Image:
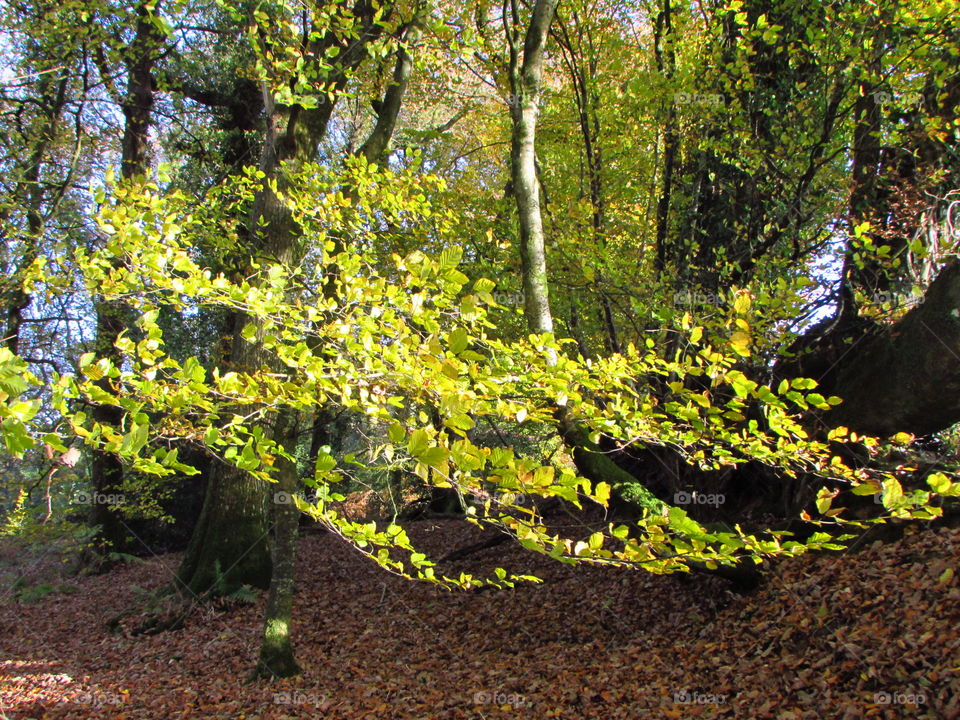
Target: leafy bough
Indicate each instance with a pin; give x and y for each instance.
(413, 332)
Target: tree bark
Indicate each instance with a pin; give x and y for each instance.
(228, 547)
(525, 75)
(375, 147)
(666, 64)
(234, 498)
(137, 107)
(53, 99)
(276, 649)
(907, 377)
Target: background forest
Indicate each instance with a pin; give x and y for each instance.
(628, 285)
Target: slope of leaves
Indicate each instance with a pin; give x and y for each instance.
(871, 634)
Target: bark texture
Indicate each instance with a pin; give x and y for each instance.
(907, 377)
(111, 316)
(526, 71)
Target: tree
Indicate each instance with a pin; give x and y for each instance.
(136, 104)
(348, 275)
(235, 499)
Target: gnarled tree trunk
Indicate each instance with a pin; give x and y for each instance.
(906, 377)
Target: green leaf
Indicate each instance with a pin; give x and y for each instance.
(824, 500)
(740, 342)
(682, 523)
(397, 432)
(741, 384)
(450, 257)
(596, 541)
(434, 456)
(892, 493)
(418, 442)
(325, 462)
(458, 341)
(483, 285)
(939, 483)
(601, 493)
(459, 422)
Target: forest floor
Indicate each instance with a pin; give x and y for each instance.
(874, 634)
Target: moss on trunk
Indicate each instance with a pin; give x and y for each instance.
(228, 548)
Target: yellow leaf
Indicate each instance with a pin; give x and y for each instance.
(740, 342)
(742, 304)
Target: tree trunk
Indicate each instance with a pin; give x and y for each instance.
(230, 541)
(276, 649)
(525, 76)
(34, 195)
(375, 147)
(293, 134)
(228, 547)
(525, 73)
(107, 468)
(666, 63)
(907, 377)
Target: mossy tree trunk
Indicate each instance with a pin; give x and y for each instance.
(525, 73)
(276, 649)
(237, 505)
(107, 470)
(229, 546)
(233, 529)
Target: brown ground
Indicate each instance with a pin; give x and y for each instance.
(870, 635)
